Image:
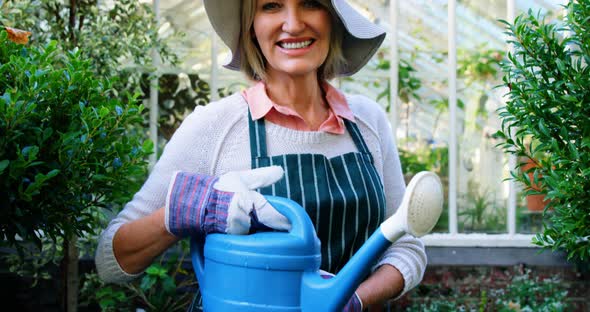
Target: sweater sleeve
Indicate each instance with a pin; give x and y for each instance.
(188, 150)
(407, 254)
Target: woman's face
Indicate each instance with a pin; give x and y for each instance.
(293, 35)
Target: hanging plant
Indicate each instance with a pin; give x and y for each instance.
(481, 64)
(408, 83)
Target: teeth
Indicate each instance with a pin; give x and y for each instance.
(295, 45)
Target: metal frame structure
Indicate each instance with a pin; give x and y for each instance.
(487, 31)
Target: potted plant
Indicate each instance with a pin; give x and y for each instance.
(548, 80)
(535, 202)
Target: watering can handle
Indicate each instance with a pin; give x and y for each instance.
(301, 228)
(301, 225)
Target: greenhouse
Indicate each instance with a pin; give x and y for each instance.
(487, 96)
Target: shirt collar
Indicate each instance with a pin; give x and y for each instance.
(337, 102)
(260, 104)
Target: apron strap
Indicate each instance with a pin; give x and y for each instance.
(257, 137)
(357, 137)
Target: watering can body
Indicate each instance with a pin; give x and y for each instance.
(276, 271)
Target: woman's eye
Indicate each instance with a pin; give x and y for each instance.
(314, 4)
(269, 6)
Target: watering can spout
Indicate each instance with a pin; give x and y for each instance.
(332, 294)
(418, 213)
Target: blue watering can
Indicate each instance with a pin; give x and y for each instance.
(279, 271)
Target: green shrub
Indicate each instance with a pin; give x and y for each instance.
(165, 286)
(111, 41)
(546, 118)
(527, 293)
(67, 147)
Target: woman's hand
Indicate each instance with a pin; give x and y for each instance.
(199, 204)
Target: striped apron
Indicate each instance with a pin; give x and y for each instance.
(343, 195)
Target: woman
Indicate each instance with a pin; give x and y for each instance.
(333, 153)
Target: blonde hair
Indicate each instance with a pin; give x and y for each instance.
(253, 63)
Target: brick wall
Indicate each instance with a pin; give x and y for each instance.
(459, 285)
(465, 285)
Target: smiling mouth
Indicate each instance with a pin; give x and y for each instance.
(295, 45)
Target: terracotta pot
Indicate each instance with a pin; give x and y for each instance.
(534, 202)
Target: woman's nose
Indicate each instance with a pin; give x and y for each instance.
(293, 22)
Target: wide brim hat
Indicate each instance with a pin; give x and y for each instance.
(361, 39)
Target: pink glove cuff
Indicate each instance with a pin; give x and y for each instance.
(354, 304)
(195, 207)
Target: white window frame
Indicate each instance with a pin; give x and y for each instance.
(454, 238)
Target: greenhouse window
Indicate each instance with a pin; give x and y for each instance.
(437, 76)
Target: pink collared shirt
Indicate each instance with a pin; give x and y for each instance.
(262, 106)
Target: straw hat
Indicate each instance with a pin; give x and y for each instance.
(361, 40)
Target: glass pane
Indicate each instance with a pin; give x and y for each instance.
(480, 49)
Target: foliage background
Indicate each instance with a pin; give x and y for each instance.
(118, 39)
(546, 120)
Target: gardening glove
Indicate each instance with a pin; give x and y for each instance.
(199, 204)
(354, 304)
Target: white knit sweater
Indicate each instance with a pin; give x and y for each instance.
(214, 139)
